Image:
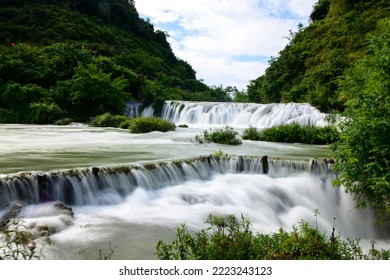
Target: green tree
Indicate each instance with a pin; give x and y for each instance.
(15, 100)
(94, 92)
(45, 112)
(363, 152)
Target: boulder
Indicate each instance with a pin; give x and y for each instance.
(183, 125)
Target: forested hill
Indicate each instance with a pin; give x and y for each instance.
(80, 58)
(311, 66)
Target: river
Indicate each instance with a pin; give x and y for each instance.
(129, 205)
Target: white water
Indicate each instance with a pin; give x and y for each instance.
(133, 213)
(146, 216)
(242, 115)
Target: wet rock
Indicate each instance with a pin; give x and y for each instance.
(62, 206)
(183, 125)
(264, 162)
(12, 213)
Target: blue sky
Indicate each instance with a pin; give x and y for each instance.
(227, 42)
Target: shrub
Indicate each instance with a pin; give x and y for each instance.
(251, 133)
(148, 124)
(294, 133)
(224, 135)
(125, 124)
(108, 120)
(229, 238)
(219, 154)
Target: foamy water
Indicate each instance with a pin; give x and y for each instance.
(131, 211)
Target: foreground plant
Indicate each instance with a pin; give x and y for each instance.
(230, 238)
(18, 243)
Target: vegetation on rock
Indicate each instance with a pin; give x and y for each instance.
(135, 125)
(226, 135)
(294, 133)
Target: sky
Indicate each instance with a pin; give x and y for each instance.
(227, 42)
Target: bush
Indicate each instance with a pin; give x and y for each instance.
(108, 120)
(135, 125)
(219, 154)
(148, 124)
(64, 121)
(294, 133)
(224, 135)
(125, 124)
(231, 239)
(251, 133)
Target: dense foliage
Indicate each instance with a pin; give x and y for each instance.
(135, 125)
(363, 152)
(228, 238)
(81, 58)
(110, 120)
(294, 133)
(226, 135)
(149, 124)
(316, 57)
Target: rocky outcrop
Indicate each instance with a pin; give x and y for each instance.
(12, 213)
(57, 216)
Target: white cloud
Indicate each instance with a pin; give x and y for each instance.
(211, 35)
(301, 8)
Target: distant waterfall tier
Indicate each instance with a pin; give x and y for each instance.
(104, 186)
(242, 114)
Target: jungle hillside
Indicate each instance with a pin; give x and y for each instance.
(313, 64)
(80, 58)
(77, 59)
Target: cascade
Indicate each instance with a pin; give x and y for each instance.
(151, 199)
(242, 114)
(104, 186)
(132, 109)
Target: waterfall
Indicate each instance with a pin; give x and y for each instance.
(271, 193)
(105, 186)
(242, 114)
(132, 109)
